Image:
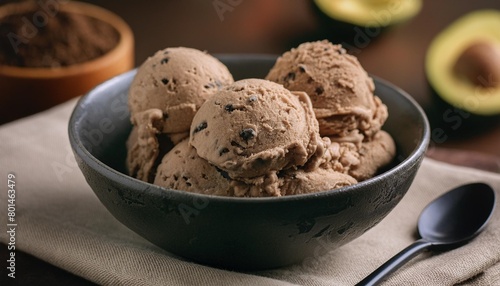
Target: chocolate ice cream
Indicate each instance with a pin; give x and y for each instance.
(183, 169)
(374, 155)
(164, 96)
(176, 81)
(349, 114)
(315, 127)
(305, 182)
(361, 161)
(145, 152)
(340, 89)
(255, 127)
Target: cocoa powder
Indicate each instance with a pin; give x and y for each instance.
(35, 38)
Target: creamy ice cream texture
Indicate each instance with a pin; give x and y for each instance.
(176, 81)
(349, 114)
(183, 169)
(164, 96)
(254, 127)
(313, 125)
(340, 89)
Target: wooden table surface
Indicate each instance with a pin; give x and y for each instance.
(272, 27)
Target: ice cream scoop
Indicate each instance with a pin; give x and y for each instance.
(256, 127)
(176, 81)
(340, 89)
(143, 147)
(183, 169)
(297, 182)
(374, 155)
(166, 92)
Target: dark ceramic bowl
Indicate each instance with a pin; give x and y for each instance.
(239, 233)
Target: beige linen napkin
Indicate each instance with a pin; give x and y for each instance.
(61, 221)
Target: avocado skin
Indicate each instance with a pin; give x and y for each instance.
(447, 94)
(455, 122)
(348, 34)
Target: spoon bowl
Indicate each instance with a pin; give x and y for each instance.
(457, 216)
(451, 220)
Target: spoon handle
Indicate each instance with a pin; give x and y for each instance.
(395, 262)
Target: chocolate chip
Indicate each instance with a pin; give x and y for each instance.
(164, 61)
(247, 134)
(302, 68)
(229, 108)
(223, 151)
(252, 98)
(260, 162)
(281, 174)
(186, 179)
(216, 83)
(165, 116)
(236, 144)
(290, 76)
(200, 127)
(164, 81)
(319, 90)
(224, 174)
(210, 85)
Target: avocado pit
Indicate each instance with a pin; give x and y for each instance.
(480, 64)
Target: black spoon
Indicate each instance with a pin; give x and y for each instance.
(449, 221)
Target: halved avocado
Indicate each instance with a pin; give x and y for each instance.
(463, 67)
(359, 21)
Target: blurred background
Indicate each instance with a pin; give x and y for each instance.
(396, 54)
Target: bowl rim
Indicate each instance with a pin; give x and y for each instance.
(125, 42)
(117, 176)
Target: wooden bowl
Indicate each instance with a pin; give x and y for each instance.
(27, 90)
